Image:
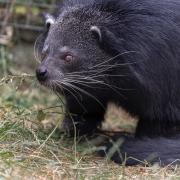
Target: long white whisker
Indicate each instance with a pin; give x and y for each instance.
(72, 94)
(88, 94)
(94, 81)
(103, 68)
(36, 54)
(120, 54)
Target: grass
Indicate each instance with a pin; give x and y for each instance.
(31, 146)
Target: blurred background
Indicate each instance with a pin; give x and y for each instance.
(20, 25)
(22, 100)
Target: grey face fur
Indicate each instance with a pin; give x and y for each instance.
(70, 47)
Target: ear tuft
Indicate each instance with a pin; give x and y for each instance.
(96, 32)
(49, 20)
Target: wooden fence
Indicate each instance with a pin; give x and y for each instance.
(22, 16)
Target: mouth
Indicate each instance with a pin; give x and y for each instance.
(51, 84)
(44, 83)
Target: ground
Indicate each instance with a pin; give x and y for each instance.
(31, 146)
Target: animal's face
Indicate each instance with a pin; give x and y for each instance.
(70, 51)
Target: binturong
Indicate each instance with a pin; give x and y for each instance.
(122, 51)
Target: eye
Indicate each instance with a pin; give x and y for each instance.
(68, 58)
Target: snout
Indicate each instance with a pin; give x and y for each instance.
(42, 73)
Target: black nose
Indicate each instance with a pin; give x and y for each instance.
(41, 73)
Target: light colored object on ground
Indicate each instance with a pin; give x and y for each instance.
(6, 37)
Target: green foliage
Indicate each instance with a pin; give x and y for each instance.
(32, 146)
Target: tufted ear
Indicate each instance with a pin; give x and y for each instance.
(107, 39)
(96, 32)
(49, 20)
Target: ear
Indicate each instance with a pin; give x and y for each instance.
(49, 20)
(96, 32)
(107, 39)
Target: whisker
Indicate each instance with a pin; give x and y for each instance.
(72, 94)
(120, 54)
(94, 81)
(109, 86)
(86, 93)
(80, 82)
(102, 69)
(36, 54)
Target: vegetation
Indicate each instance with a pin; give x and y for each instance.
(32, 147)
(31, 144)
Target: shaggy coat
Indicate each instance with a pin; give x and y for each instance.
(121, 51)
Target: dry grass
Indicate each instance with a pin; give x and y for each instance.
(31, 146)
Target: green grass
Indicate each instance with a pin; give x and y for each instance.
(31, 146)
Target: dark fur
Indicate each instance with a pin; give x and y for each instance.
(144, 36)
(145, 151)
